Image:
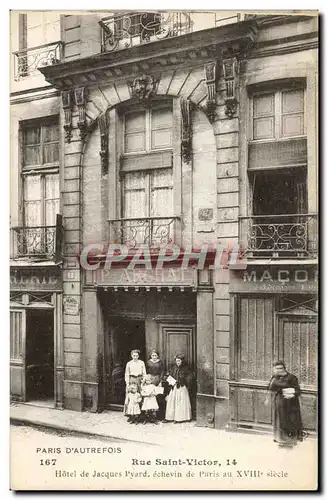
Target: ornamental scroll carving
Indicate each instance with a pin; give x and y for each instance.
(67, 107)
(103, 122)
(186, 133)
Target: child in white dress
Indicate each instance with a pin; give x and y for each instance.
(131, 405)
(149, 407)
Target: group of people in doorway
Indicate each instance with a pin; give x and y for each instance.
(154, 395)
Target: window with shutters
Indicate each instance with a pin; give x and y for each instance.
(278, 115)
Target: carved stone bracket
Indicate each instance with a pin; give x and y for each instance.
(80, 101)
(211, 79)
(103, 122)
(67, 107)
(230, 73)
(186, 134)
(143, 87)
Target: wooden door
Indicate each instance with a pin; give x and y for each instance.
(263, 336)
(297, 345)
(17, 353)
(252, 358)
(178, 339)
(181, 339)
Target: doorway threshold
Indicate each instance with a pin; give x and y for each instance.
(44, 403)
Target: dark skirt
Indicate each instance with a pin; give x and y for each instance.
(287, 421)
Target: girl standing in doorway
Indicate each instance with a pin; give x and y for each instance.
(178, 408)
(135, 370)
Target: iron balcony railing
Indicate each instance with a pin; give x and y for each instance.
(124, 31)
(27, 61)
(151, 231)
(287, 235)
(33, 242)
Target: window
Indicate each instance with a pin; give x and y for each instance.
(41, 199)
(38, 28)
(147, 175)
(41, 144)
(41, 172)
(278, 115)
(147, 130)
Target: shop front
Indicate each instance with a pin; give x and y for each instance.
(36, 367)
(274, 318)
(146, 311)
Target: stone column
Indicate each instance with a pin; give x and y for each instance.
(205, 352)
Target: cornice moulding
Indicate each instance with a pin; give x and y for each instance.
(201, 46)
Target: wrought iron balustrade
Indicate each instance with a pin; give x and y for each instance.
(33, 242)
(286, 235)
(124, 31)
(152, 231)
(27, 61)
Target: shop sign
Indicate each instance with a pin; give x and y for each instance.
(35, 280)
(71, 305)
(276, 280)
(139, 277)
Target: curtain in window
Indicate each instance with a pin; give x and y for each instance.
(161, 204)
(135, 205)
(32, 200)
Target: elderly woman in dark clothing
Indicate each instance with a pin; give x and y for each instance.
(287, 421)
(155, 368)
(178, 408)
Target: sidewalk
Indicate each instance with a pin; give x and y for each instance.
(113, 425)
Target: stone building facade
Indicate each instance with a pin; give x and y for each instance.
(175, 132)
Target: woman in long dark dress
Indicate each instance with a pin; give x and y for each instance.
(287, 421)
(178, 407)
(155, 368)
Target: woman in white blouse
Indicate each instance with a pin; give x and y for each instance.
(135, 370)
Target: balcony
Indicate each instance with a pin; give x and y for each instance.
(279, 236)
(28, 61)
(33, 242)
(152, 231)
(125, 31)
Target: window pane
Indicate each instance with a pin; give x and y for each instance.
(32, 135)
(32, 212)
(135, 122)
(32, 155)
(52, 208)
(292, 101)
(51, 133)
(135, 195)
(263, 128)
(135, 142)
(161, 193)
(32, 187)
(161, 138)
(52, 186)
(263, 105)
(51, 153)
(292, 125)
(161, 118)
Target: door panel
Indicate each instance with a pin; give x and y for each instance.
(178, 339)
(259, 342)
(297, 345)
(17, 353)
